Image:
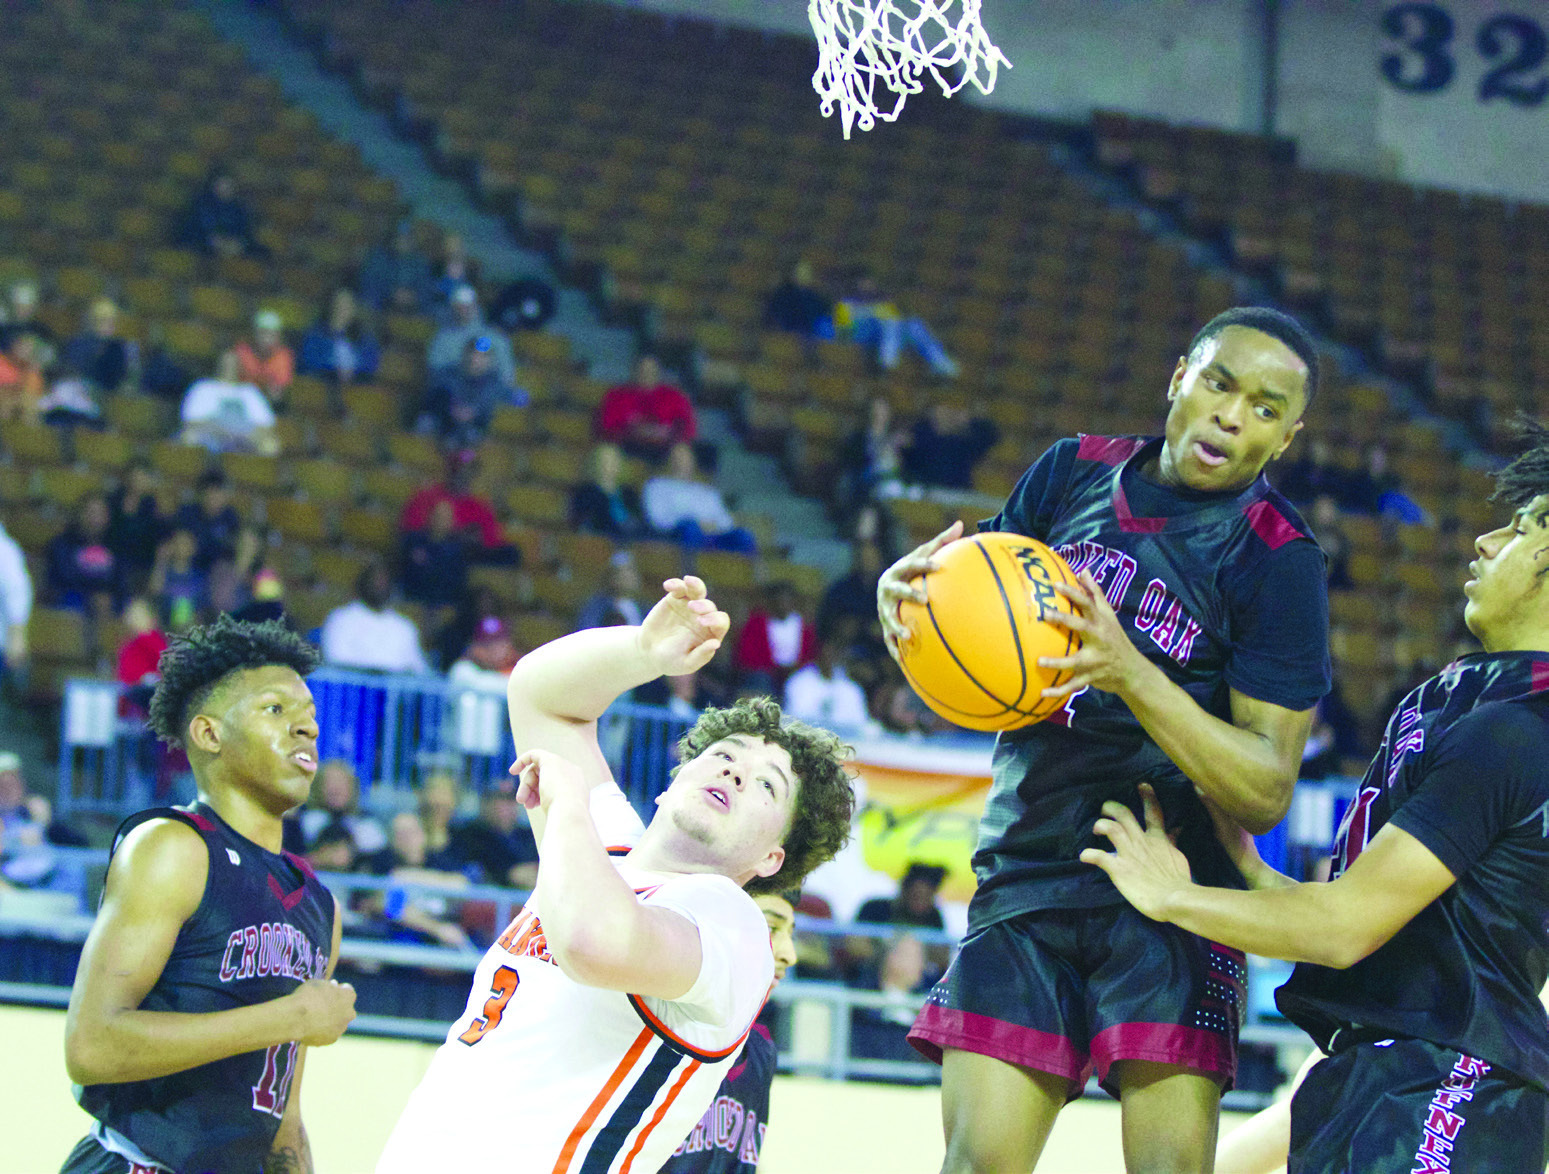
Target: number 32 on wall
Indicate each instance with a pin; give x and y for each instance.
(1422, 58)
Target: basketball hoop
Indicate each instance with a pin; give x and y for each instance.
(895, 42)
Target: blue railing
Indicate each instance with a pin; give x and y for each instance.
(391, 729)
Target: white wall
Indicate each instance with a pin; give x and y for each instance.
(1199, 61)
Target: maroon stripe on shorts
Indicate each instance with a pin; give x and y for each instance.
(1165, 1043)
(939, 1027)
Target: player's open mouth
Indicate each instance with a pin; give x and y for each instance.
(719, 797)
(1209, 454)
(305, 759)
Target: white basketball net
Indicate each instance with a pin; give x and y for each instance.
(862, 43)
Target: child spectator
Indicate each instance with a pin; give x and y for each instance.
(604, 504)
(139, 656)
(339, 346)
(266, 362)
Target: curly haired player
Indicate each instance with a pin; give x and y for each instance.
(602, 1021)
(208, 971)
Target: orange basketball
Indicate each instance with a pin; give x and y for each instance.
(991, 611)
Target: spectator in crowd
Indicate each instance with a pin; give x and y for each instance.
(1376, 489)
(822, 692)
(227, 414)
(136, 525)
(334, 851)
(877, 324)
(181, 589)
(339, 346)
(1334, 740)
(647, 416)
(335, 803)
(488, 660)
(1311, 474)
(440, 795)
(100, 354)
(21, 317)
(452, 640)
(139, 655)
(15, 605)
(396, 276)
(162, 373)
(218, 222)
(913, 906)
(420, 916)
(945, 445)
(83, 572)
(461, 402)
(455, 268)
(799, 306)
(435, 561)
(71, 399)
(449, 344)
(852, 599)
(680, 505)
(473, 515)
(26, 860)
(22, 382)
(776, 640)
(266, 361)
(899, 708)
(604, 504)
(620, 595)
(368, 634)
(871, 458)
(1334, 541)
(265, 601)
(496, 847)
(212, 518)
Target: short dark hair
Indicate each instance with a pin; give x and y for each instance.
(196, 663)
(1526, 477)
(1273, 323)
(825, 801)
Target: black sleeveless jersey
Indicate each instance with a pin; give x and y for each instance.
(264, 925)
(1464, 768)
(1220, 590)
(730, 1135)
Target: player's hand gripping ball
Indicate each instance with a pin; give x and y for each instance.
(991, 611)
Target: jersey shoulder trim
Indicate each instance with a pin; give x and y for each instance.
(1108, 450)
(191, 819)
(1272, 525)
(677, 1043)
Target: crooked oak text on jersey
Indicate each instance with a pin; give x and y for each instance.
(272, 949)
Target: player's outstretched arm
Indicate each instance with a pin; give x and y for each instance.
(1332, 924)
(597, 932)
(291, 1152)
(154, 884)
(1247, 766)
(558, 691)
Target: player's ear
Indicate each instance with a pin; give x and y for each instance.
(771, 863)
(1177, 380)
(204, 733)
(1285, 444)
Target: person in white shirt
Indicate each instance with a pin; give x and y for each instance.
(224, 414)
(823, 693)
(602, 1020)
(680, 506)
(15, 602)
(367, 634)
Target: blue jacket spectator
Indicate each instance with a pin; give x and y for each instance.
(338, 346)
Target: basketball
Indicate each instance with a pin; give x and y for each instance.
(990, 612)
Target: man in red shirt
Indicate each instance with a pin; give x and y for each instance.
(472, 513)
(646, 417)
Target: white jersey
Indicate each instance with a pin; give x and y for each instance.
(544, 1074)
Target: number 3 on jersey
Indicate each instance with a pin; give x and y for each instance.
(500, 992)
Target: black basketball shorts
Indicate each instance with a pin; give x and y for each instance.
(89, 1157)
(1397, 1106)
(1066, 991)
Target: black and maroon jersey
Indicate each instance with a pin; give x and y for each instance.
(1222, 591)
(263, 926)
(730, 1135)
(1464, 768)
